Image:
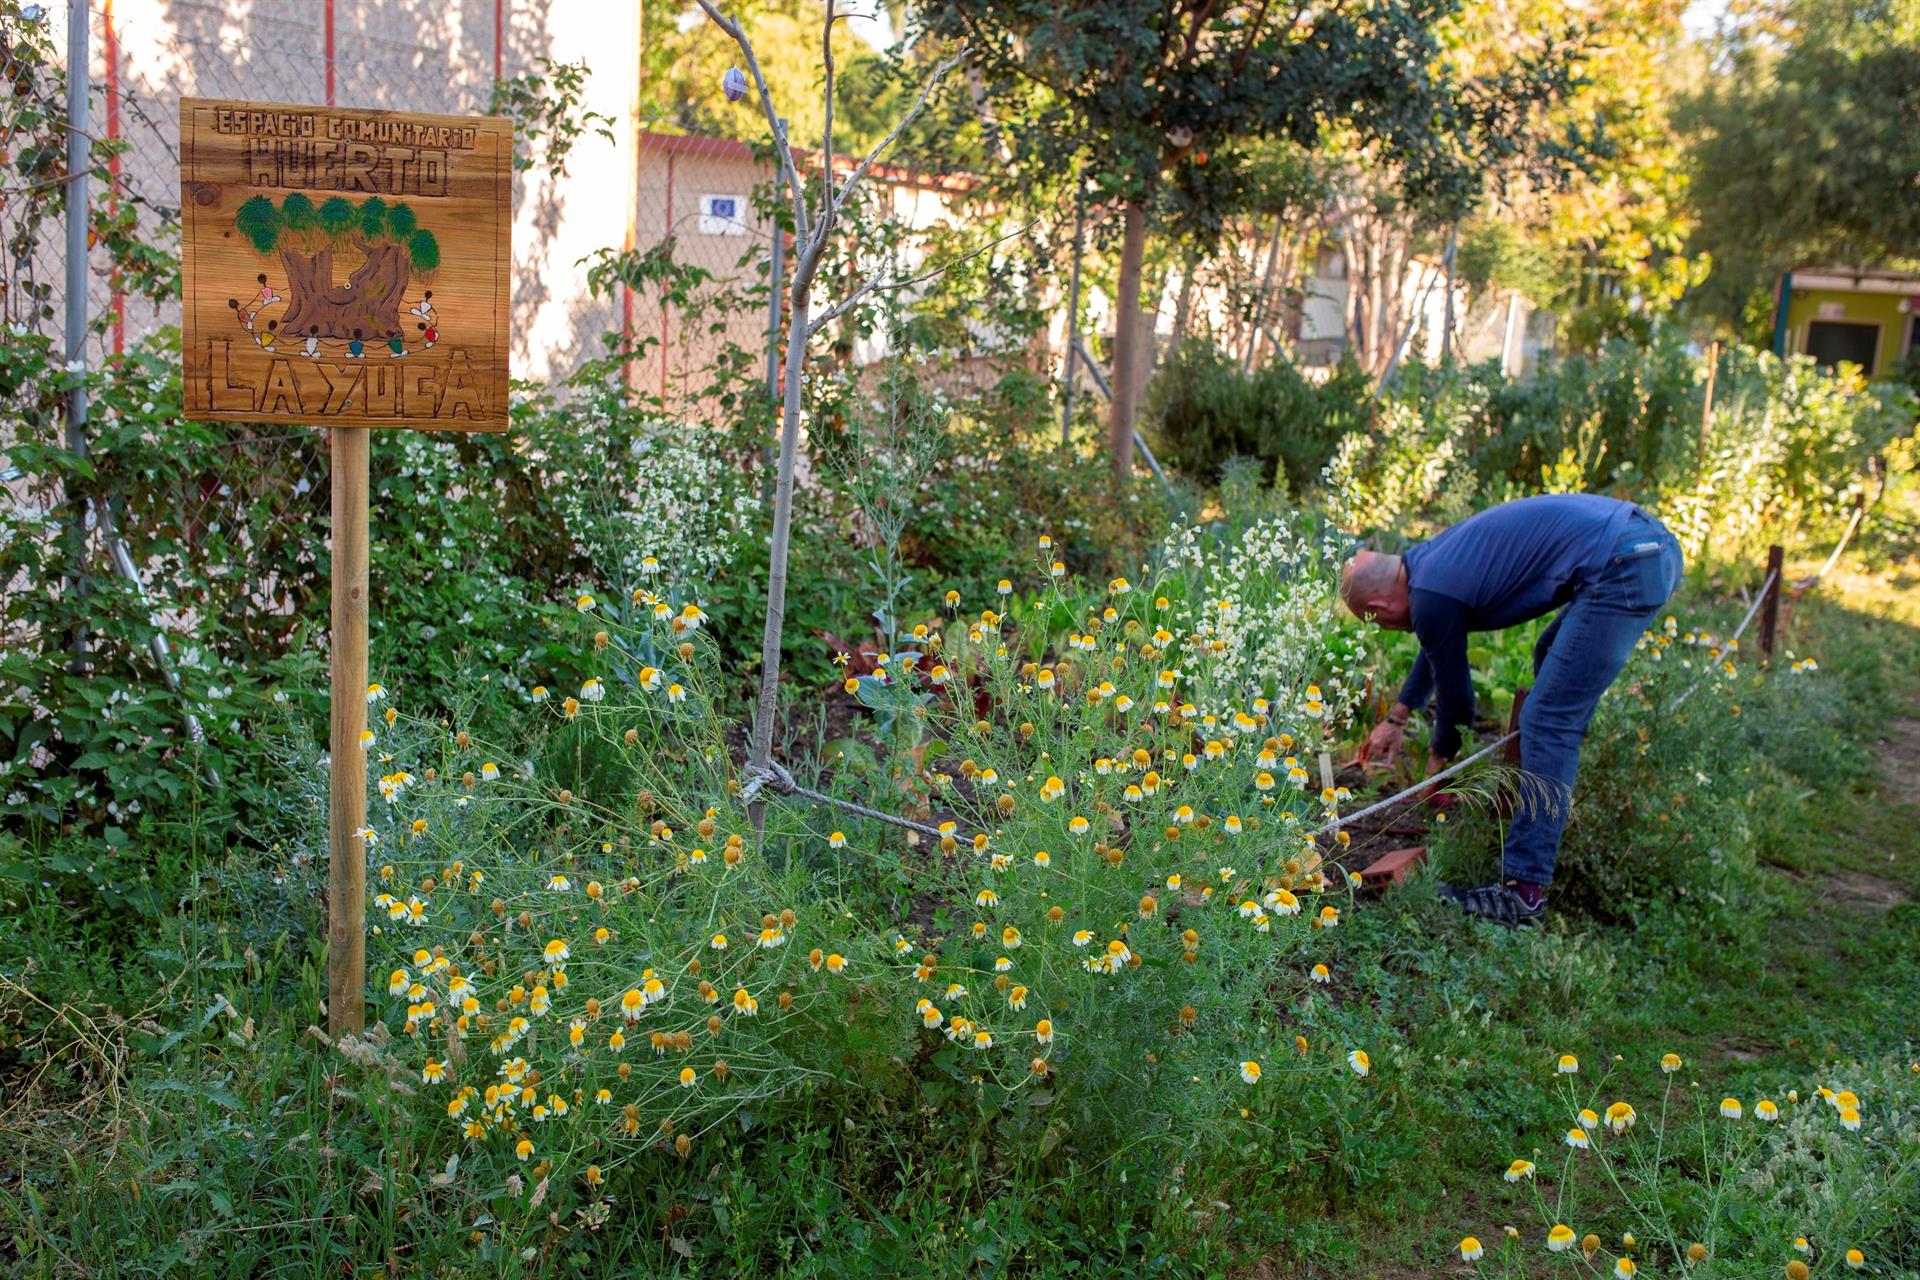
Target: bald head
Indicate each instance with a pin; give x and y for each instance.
(1374, 588)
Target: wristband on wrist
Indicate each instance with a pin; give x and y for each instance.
(1402, 721)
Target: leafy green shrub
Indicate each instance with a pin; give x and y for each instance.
(1679, 768)
(1204, 410)
(1787, 445)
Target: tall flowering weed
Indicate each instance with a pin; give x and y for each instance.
(582, 953)
(583, 956)
(1131, 922)
(1659, 1174)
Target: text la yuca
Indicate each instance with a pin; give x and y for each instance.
(296, 388)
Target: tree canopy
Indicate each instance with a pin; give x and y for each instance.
(1806, 145)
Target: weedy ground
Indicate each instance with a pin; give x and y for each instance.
(192, 1124)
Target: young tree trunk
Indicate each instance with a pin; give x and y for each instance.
(1183, 310)
(1260, 299)
(1126, 340)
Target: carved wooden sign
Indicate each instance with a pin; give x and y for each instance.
(344, 267)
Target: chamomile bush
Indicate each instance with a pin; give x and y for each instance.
(1129, 915)
(1655, 1172)
(583, 957)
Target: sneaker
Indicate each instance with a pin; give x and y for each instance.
(1499, 903)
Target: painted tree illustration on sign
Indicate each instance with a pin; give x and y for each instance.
(395, 248)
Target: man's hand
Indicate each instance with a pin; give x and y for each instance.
(1382, 747)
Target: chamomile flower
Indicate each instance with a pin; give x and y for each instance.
(1568, 1065)
(1560, 1238)
(1856, 1260)
(1359, 1062)
(1577, 1139)
(1519, 1170)
(1321, 974)
(1670, 1063)
(1766, 1109)
(1620, 1117)
(1731, 1109)
(1470, 1249)
(1250, 1072)
(1623, 1269)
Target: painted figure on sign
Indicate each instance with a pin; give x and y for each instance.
(355, 347)
(395, 347)
(262, 300)
(265, 337)
(312, 350)
(427, 325)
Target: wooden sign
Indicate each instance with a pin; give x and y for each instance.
(343, 267)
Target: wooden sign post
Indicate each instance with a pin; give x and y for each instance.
(347, 268)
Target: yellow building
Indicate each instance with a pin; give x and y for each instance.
(1835, 314)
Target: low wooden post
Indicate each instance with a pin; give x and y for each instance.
(1706, 401)
(1770, 602)
(1506, 799)
(1512, 753)
(347, 792)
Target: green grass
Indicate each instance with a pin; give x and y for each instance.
(168, 1112)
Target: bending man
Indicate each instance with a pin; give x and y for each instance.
(1606, 565)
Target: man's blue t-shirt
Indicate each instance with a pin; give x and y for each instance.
(1506, 565)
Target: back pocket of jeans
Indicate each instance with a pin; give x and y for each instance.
(1643, 571)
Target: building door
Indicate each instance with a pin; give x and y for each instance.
(1831, 341)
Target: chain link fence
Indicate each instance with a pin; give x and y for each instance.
(143, 58)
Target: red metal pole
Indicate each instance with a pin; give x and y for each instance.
(665, 317)
(111, 48)
(329, 31)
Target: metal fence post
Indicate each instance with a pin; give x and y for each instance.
(79, 164)
(775, 269)
(1073, 309)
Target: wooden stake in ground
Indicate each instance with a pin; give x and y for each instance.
(347, 789)
(1770, 605)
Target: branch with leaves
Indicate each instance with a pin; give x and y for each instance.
(813, 227)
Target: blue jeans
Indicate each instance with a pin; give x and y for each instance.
(1576, 658)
